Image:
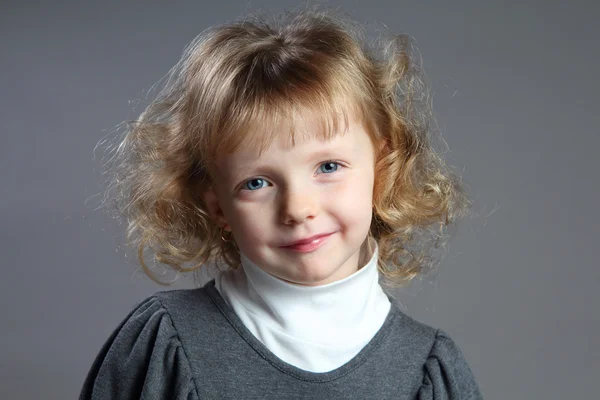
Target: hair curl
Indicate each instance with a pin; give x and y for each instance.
(235, 78)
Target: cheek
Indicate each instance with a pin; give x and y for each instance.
(249, 224)
(354, 199)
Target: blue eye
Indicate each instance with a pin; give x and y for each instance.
(252, 183)
(329, 165)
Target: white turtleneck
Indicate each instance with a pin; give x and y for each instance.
(315, 328)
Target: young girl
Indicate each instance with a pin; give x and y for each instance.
(299, 158)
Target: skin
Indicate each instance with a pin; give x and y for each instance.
(294, 192)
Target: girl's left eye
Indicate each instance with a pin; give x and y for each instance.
(332, 166)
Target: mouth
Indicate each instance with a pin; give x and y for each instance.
(309, 244)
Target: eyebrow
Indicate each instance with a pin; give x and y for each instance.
(325, 153)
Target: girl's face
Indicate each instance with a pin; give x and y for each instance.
(289, 194)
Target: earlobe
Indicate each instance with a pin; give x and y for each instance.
(383, 147)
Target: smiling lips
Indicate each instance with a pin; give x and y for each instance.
(309, 244)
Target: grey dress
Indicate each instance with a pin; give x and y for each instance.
(188, 344)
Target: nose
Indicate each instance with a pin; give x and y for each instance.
(298, 207)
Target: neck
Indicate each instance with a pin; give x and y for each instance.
(303, 325)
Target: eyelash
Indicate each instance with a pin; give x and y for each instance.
(339, 164)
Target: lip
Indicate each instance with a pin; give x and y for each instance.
(309, 244)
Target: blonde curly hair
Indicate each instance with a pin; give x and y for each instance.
(236, 78)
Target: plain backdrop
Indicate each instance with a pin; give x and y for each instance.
(515, 89)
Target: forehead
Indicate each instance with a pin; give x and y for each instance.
(307, 142)
(257, 126)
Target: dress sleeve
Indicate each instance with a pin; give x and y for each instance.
(142, 359)
(447, 374)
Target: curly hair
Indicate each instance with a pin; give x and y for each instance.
(237, 78)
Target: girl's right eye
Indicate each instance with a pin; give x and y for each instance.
(253, 184)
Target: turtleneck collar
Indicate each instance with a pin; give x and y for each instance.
(316, 328)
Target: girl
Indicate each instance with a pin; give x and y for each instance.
(299, 158)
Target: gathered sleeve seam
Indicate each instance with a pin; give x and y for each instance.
(187, 359)
(474, 393)
(433, 343)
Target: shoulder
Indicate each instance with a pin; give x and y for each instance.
(446, 373)
(174, 301)
(415, 335)
(144, 353)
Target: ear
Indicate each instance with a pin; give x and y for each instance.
(214, 208)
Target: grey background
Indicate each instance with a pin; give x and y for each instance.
(515, 96)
